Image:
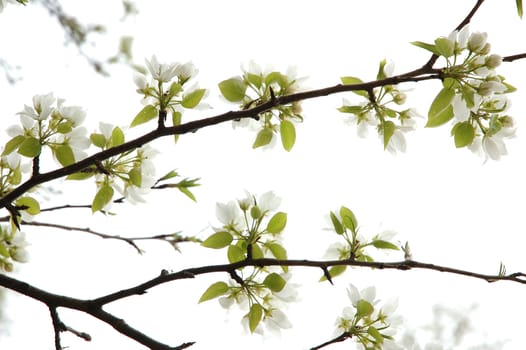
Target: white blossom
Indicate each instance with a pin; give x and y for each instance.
(161, 72)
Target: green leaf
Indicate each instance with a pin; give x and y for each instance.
(193, 98)
(263, 138)
(519, 7)
(464, 134)
(4, 251)
(218, 240)
(64, 155)
(441, 110)
(335, 271)
(336, 223)
(176, 120)
(13, 144)
(103, 197)
(64, 128)
(233, 89)
(257, 252)
(277, 223)
(254, 316)
(444, 47)
(351, 109)
(364, 308)
(389, 128)
(274, 282)
(31, 204)
(381, 74)
(276, 77)
(429, 47)
(278, 251)
(235, 254)
(372, 331)
(30, 147)
(255, 79)
(135, 176)
(80, 176)
(215, 290)
(169, 175)
(146, 114)
(381, 244)
(288, 134)
(353, 81)
(348, 218)
(117, 137)
(98, 140)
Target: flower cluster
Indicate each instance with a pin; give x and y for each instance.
(250, 229)
(131, 173)
(354, 245)
(159, 98)
(370, 326)
(473, 94)
(256, 87)
(49, 123)
(12, 247)
(391, 124)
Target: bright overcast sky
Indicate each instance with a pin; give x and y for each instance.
(453, 209)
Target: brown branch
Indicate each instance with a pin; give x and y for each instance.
(193, 126)
(337, 339)
(171, 238)
(94, 307)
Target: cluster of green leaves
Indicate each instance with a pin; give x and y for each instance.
(162, 99)
(377, 108)
(253, 234)
(354, 247)
(470, 77)
(366, 325)
(255, 88)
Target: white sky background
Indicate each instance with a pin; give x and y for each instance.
(453, 210)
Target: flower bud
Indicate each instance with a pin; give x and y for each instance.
(489, 87)
(477, 41)
(493, 61)
(399, 98)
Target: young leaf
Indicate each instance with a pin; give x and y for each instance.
(254, 316)
(336, 223)
(233, 89)
(30, 147)
(277, 223)
(117, 136)
(381, 244)
(464, 134)
(444, 47)
(33, 207)
(288, 134)
(441, 110)
(351, 109)
(13, 144)
(146, 114)
(235, 254)
(375, 334)
(64, 155)
(429, 47)
(98, 140)
(215, 290)
(218, 240)
(274, 282)
(335, 271)
(353, 81)
(135, 176)
(348, 218)
(263, 138)
(389, 128)
(278, 251)
(364, 308)
(519, 7)
(103, 197)
(176, 120)
(257, 252)
(193, 98)
(255, 79)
